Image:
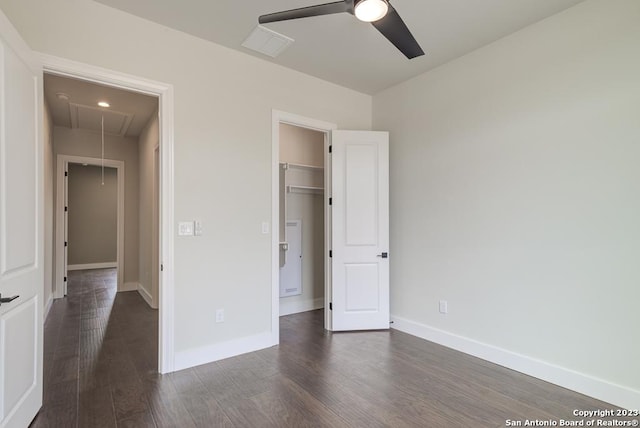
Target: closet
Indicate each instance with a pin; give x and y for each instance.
(301, 219)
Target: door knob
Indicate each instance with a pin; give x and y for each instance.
(7, 299)
(383, 255)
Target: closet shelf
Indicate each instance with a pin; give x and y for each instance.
(287, 165)
(305, 189)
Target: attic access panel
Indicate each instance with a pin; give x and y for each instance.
(88, 117)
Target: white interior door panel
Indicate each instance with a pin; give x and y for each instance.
(21, 230)
(360, 230)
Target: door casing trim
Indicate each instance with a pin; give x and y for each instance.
(278, 117)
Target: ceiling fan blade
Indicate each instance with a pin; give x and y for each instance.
(394, 29)
(306, 12)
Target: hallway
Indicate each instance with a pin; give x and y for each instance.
(100, 354)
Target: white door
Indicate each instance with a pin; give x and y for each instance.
(360, 230)
(21, 230)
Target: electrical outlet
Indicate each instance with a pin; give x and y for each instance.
(219, 315)
(444, 307)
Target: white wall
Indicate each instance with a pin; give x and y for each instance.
(79, 142)
(223, 104)
(301, 145)
(147, 143)
(514, 196)
(48, 174)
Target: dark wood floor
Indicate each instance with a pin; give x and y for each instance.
(100, 371)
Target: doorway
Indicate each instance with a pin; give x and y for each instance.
(163, 193)
(314, 171)
(92, 217)
(301, 221)
(89, 218)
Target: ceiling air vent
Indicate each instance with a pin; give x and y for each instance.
(267, 42)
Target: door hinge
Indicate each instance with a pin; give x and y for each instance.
(330, 149)
(65, 279)
(66, 209)
(66, 243)
(330, 253)
(161, 267)
(66, 173)
(330, 306)
(330, 201)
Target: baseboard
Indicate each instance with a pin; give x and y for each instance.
(86, 266)
(220, 351)
(295, 307)
(129, 286)
(146, 295)
(588, 385)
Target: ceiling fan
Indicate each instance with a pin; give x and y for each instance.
(379, 13)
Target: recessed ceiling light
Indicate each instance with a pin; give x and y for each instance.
(103, 104)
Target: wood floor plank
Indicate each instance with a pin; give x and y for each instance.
(64, 369)
(61, 393)
(95, 408)
(129, 400)
(140, 420)
(205, 411)
(169, 411)
(55, 417)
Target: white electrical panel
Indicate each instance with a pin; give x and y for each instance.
(291, 272)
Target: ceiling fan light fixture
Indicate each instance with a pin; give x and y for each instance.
(371, 10)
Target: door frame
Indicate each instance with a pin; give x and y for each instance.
(62, 227)
(155, 234)
(164, 91)
(278, 117)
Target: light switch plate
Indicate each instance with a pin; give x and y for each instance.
(197, 228)
(185, 228)
(265, 227)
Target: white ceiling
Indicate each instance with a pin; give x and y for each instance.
(128, 114)
(341, 49)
